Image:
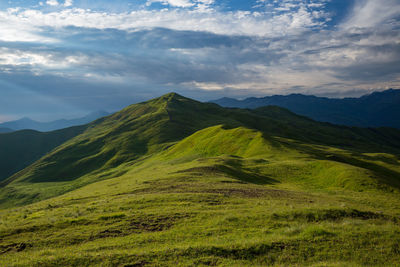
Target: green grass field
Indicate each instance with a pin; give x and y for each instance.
(157, 185)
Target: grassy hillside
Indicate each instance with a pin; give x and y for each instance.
(143, 129)
(176, 182)
(20, 149)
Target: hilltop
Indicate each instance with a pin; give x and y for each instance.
(175, 180)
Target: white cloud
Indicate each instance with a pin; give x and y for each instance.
(16, 57)
(236, 23)
(68, 3)
(300, 57)
(372, 13)
(174, 3)
(200, 4)
(52, 2)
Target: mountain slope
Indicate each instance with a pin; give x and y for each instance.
(27, 123)
(375, 110)
(21, 148)
(5, 130)
(148, 128)
(173, 181)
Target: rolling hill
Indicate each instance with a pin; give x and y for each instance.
(374, 110)
(175, 181)
(21, 148)
(29, 124)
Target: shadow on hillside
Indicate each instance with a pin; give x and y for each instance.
(354, 158)
(233, 168)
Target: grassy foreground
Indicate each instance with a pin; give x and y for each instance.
(213, 196)
(191, 210)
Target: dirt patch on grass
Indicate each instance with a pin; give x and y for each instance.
(142, 223)
(250, 192)
(154, 223)
(109, 233)
(28, 229)
(334, 215)
(15, 247)
(222, 188)
(137, 264)
(200, 171)
(238, 253)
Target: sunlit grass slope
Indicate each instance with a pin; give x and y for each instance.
(144, 129)
(176, 182)
(218, 210)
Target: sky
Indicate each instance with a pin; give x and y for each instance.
(66, 58)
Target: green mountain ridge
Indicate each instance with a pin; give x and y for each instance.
(173, 179)
(147, 128)
(21, 148)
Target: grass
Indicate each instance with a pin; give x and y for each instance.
(21, 148)
(204, 194)
(168, 214)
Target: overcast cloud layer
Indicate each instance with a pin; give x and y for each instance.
(65, 58)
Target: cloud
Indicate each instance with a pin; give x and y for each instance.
(213, 62)
(98, 59)
(175, 3)
(52, 2)
(200, 4)
(237, 22)
(372, 13)
(68, 3)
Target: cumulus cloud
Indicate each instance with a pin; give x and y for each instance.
(68, 3)
(52, 2)
(237, 22)
(281, 47)
(175, 3)
(200, 4)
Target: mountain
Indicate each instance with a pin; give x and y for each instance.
(141, 130)
(175, 180)
(21, 148)
(379, 109)
(27, 123)
(5, 130)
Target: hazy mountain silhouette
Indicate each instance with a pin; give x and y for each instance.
(373, 110)
(27, 123)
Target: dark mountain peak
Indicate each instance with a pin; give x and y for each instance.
(386, 93)
(27, 123)
(26, 119)
(378, 109)
(226, 98)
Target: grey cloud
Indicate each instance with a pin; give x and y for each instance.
(153, 61)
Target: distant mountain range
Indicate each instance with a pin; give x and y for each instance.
(379, 109)
(27, 123)
(5, 130)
